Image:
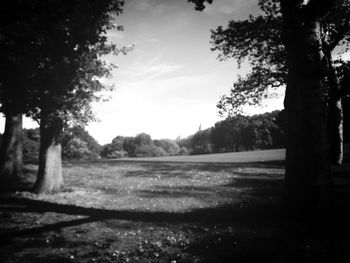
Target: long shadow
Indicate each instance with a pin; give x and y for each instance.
(253, 184)
(168, 169)
(232, 215)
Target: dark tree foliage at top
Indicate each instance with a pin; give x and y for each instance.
(50, 55)
(258, 40)
(200, 4)
(54, 50)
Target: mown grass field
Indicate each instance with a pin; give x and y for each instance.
(233, 157)
(152, 211)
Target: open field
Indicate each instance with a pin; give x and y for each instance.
(122, 211)
(233, 157)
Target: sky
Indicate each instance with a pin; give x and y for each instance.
(170, 83)
(168, 86)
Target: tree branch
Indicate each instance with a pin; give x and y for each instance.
(340, 34)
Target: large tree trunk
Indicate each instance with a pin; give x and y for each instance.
(11, 149)
(49, 177)
(307, 178)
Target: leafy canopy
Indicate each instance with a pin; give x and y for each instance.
(51, 53)
(258, 41)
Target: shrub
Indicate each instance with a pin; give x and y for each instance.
(149, 151)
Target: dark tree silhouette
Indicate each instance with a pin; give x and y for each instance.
(55, 47)
(310, 32)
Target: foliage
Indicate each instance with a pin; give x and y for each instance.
(233, 134)
(31, 141)
(149, 150)
(141, 145)
(201, 143)
(76, 149)
(200, 4)
(239, 133)
(114, 149)
(169, 146)
(258, 40)
(184, 151)
(77, 143)
(55, 48)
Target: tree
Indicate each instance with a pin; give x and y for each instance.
(258, 40)
(239, 132)
(11, 152)
(308, 181)
(75, 140)
(310, 32)
(76, 149)
(149, 150)
(94, 149)
(114, 149)
(31, 144)
(169, 146)
(129, 146)
(143, 139)
(144, 146)
(16, 31)
(201, 143)
(61, 44)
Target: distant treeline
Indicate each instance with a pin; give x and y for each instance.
(141, 145)
(238, 133)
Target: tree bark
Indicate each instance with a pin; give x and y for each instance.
(11, 150)
(49, 178)
(307, 178)
(335, 113)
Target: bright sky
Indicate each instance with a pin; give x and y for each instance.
(170, 83)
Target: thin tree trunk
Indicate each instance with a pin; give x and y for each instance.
(49, 177)
(307, 178)
(335, 112)
(11, 150)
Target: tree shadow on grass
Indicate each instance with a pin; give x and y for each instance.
(232, 215)
(261, 232)
(256, 184)
(182, 170)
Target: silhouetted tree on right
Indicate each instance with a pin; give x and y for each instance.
(304, 33)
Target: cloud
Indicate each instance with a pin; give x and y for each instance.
(152, 6)
(145, 68)
(152, 40)
(115, 36)
(238, 8)
(140, 5)
(183, 100)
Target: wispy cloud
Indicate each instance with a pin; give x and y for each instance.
(144, 68)
(115, 36)
(233, 8)
(151, 6)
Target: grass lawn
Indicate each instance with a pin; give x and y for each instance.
(233, 157)
(123, 211)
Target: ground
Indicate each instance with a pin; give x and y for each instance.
(153, 211)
